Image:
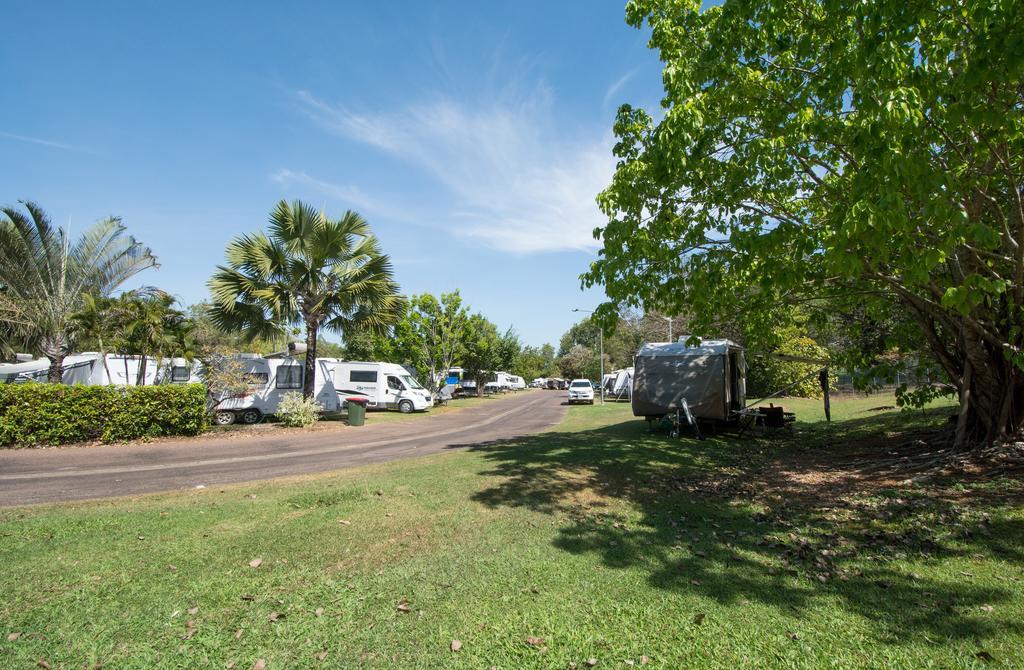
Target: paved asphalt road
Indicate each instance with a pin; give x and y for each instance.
(29, 476)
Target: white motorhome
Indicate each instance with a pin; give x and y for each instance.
(88, 368)
(382, 385)
(270, 378)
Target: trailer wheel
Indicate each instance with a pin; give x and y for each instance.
(250, 416)
(224, 417)
(405, 407)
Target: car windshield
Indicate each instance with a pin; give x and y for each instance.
(411, 382)
(581, 384)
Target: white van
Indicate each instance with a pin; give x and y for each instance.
(383, 385)
(270, 378)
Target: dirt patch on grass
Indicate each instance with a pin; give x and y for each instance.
(823, 477)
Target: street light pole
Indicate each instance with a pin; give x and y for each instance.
(600, 339)
(669, 319)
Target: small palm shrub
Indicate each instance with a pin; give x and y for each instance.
(296, 411)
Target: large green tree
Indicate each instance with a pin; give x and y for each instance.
(440, 325)
(534, 362)
(45, 276)
(481, 351)
(312, 271)
(832, 154)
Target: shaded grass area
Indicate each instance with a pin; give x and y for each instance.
(603, 539)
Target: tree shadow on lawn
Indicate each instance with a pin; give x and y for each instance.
(722, 519)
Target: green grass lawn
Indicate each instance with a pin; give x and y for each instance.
(599, 540)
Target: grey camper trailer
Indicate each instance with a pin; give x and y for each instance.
(710, 376)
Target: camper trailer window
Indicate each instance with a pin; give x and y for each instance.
(257, 378)
(362, 376)
(289, 377)
(180, 373)
(394, 384)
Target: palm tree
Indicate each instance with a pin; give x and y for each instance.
(149, 326)
(93, 323)
(310, 271)
(44, 276)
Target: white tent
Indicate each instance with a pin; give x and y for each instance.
(711, 377)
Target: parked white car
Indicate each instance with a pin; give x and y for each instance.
(581, 390)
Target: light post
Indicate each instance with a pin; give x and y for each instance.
(600, 336)
(669, 319)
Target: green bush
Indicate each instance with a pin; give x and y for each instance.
(767, 375)
(34, 414)
(297, 412)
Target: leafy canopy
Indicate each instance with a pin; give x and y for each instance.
(829, 153)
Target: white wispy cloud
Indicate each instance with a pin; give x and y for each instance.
(347, 195)
(513, 180)
(45, 143)
(617, 86)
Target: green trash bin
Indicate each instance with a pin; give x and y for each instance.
(356, 411)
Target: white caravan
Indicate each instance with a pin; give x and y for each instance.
(270, 378)
(382, 385)
(88, 369)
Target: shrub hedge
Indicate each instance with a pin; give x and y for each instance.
(34, 414)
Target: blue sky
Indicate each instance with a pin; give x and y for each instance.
(472, 136)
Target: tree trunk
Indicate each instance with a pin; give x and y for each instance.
(55, 375)
(106, 368)
(309, 376)
(991, 394)
(140, 376)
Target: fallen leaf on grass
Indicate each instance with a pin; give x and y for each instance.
(984, 656)
(319, 611)
(699, 619)
(987, 608)
(172, 568)
(344, 522)
(190, 630)
(256, 562)
(229, 665)
(193, 610)
(321, 655)
(792, 636)
(43, 664)
(591, 661)
(456, 645)
(695, 582)
(13, 636)
(259, 665)
(403, 606)
(274, 616)
(534, 641)
(248, 596)
(644, 660)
